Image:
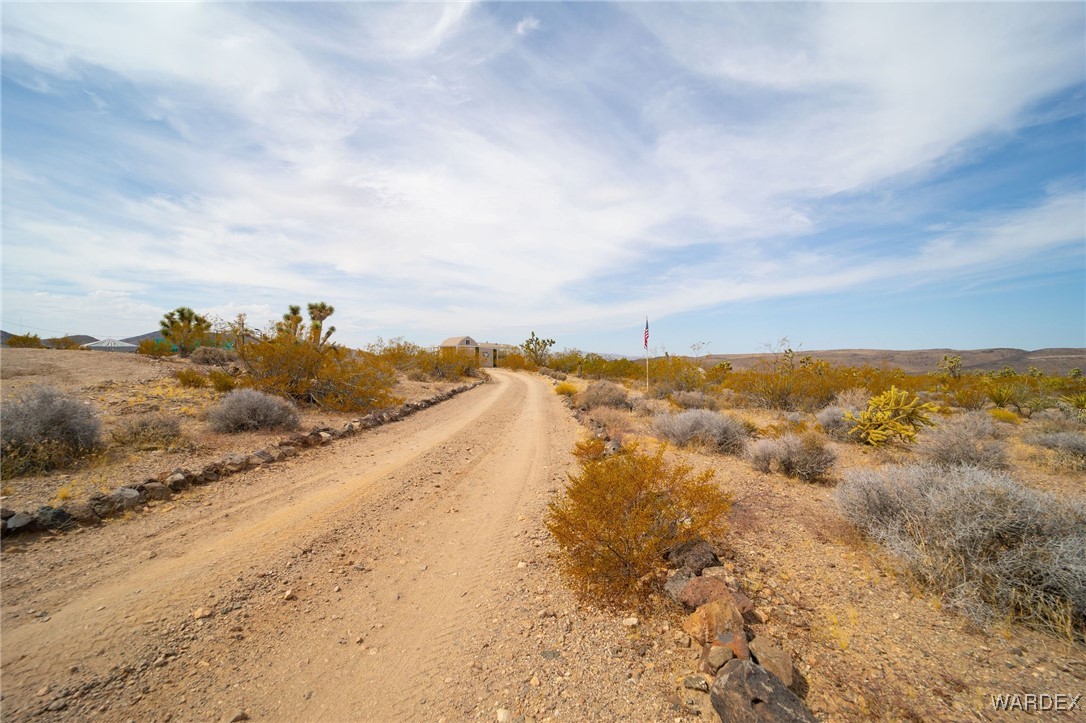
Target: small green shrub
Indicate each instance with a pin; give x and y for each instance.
(718, 431)
(891, 415)
(604, 394)
(191, 378)
(245, 410)
(148, 431)
(993, 548)
(44, 429)
(804, 457)
(620, 515)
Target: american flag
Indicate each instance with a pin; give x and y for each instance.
(646, 332)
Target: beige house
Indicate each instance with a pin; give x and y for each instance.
(485, 352)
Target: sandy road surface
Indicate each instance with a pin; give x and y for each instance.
(380, 579)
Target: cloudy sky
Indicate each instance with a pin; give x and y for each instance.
(846, 175)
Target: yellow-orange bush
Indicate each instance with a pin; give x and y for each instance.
(621, 513)
(222, 381)
(191, 378)
(25, 341)
(298, 363)
(154, 348)
(565, 389)
(515, 361)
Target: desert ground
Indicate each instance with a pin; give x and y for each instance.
(405, 574)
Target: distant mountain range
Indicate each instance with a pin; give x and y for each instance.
(1050, 361)
(85, 339)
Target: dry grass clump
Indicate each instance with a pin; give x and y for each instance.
(148, 431)
(191, 378)
(693, 400)
(213, 356)
(248, 409)
(1069, 448)
(604, 394)
(44, 429)
(621, 513)
(993, 548)
(804, 457)
(968, 440)
(718, 431)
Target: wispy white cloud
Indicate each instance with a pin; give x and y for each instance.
(529, 24)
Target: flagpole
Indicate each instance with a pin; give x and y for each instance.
(646, 355)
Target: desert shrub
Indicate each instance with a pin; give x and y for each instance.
(1069, 447)
(221, 381)
(25, 341)
(1004, 415)
(693, 400)
(154, 348)
(891, 415)
(1073, 405)
(567, 360)
(148, 431)
(65, 343)
(244, 410)
(615, 422)
(446, 364)
(553, 374)
(834, 422)
(214, 355)
(670, 374)
(967, 392)
(805, 457)
(44, 429)
(993, 548)
(515, 361)
(621, 513)
(604, 394)
(967, 440)
(718, 431)
(1002, 395)
(191, 378)
(299, 363)
(565, 389)
(852, 398)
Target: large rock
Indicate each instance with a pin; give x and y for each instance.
(21, 522)
(747, 693)
(703, 590)
(54, 519)
(82, 512)
(677, 581)
(773, 659)
(155, 491)
(696, 555)
(718, 623)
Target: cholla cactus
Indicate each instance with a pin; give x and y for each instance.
(889, 415)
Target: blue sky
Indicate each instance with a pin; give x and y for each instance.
(846, 175)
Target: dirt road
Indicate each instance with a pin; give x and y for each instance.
(398, 575)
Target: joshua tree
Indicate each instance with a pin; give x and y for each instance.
(184, 328)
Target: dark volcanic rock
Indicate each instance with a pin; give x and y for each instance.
(696, 554)
(745, 693)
